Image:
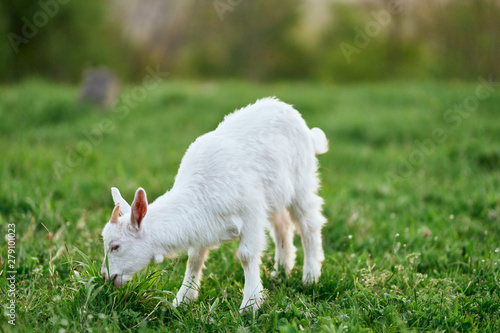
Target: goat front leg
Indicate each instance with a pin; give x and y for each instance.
(189, 289)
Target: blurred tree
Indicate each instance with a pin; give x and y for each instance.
(258, 39)
(366, 41)
(4, 43)
(465, 38)
(58, 39)
(251, 39)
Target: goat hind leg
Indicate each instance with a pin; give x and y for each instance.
(282, 234)
(309, 220)
(250, 250)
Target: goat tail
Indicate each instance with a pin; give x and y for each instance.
(320, 142)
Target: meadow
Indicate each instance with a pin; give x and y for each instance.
(412, 196)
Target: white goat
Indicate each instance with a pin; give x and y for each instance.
(258, 166)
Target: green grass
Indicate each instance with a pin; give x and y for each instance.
(411, 243)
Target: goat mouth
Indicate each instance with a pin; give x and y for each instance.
(119, 280)
(114, 279)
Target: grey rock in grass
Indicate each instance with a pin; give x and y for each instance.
(100, 87)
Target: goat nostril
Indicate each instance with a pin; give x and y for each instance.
(113, 277)
(104, 276)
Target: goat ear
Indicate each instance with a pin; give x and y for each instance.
(118, 200)
(115, 214)
(139, 207)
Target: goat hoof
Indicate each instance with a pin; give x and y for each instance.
(180, 304)
(254, 308)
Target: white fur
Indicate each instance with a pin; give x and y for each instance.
(258, 166)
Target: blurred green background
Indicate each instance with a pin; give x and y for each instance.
(326, 40)
(411, 182)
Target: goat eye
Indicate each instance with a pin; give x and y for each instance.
(115, 247)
